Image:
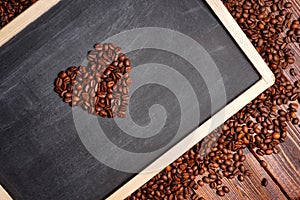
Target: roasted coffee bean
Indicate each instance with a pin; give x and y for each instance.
(213, 185)
(206, 179)
(212, 176)
(221, 193)
(68, 95)
(292, 72)
(288, 5)
(242, 158)
(110, 84)
(225, 189)
(295, 121)
(67, 100)
(200, 182)
(264, 182)
(62, 94)
(58, 82)
(122, 57)
(263, 163)
(242, 168)
(241, 178)
(128, 69)
(276, 135)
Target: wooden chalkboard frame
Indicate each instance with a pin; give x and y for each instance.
(24, 19)
(267, 79)
(4, 195)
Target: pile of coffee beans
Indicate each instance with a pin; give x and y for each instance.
(260, 126)
(101, 88)
(9, 9)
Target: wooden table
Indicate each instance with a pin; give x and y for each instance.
(283, 171)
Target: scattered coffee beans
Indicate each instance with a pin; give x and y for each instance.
(102, 87)
(260, 126)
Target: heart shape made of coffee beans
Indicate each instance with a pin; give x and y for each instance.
(101, 87)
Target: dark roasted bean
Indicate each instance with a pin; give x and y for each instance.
(264, 182)
(220, 193)
(263, 163)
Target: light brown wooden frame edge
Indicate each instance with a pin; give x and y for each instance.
(267, 79)
(24, 19)
(4, 195)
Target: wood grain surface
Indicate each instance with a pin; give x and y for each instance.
(283, 171)
(250, 188)
(285, 166)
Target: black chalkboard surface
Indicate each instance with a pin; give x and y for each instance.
(186, 67)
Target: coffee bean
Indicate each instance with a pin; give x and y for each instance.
(264, 182)
(288, 5)
(241, 178)
(219, 182)
(110, 84)
(213, 185)
(295, 121)
(127, 62)
(67, 100)
(242, 158)
(230, 168)
(122, 57)
(269, 151)
(221, 193)
(68, 95)
(242, 168)
(292, 72)
(263, 163)
(212, 176)
(58, 82)
(206, 179)
(200, 182)
(276, 135)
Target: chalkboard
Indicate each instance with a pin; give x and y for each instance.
(186, 69)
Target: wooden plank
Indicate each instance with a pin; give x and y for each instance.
(284, 167)
(251, 188)
(4, 195)
(24, 19)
